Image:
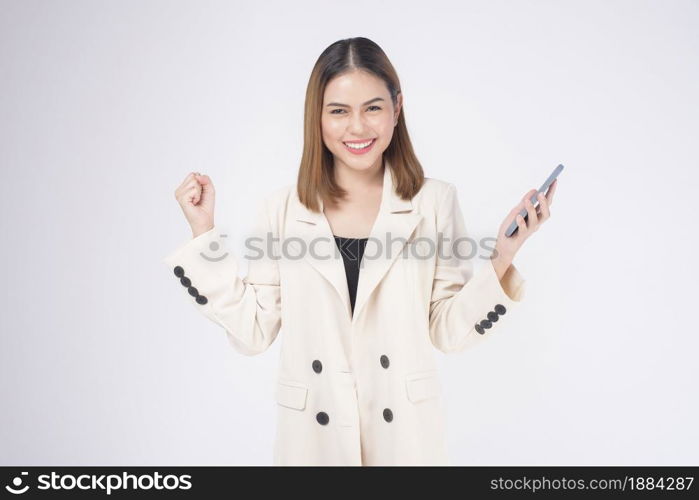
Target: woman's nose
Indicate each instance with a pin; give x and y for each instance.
(357, 125)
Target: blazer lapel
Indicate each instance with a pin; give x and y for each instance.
(319, 247)
(393, 226)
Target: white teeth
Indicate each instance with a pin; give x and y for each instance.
(358, 146)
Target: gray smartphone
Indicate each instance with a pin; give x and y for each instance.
(514, 227)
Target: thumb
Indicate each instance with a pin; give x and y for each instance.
(207, 188)
(206, 184)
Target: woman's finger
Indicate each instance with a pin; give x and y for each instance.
(522, 226)
(187, 183)
(544, 207)
(193, 194)
(510, 217)
(183, 186)
(187, 190)
(532, 219)
(550, 191)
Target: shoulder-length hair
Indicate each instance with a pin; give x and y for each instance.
(315, 177)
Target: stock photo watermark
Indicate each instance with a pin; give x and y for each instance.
(296, 248)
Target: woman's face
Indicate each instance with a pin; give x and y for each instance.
(357, 108)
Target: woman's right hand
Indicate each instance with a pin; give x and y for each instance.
(196, 198)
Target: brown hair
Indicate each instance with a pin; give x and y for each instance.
(316, 171)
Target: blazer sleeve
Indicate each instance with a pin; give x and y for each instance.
(248, 309)
(466, 307)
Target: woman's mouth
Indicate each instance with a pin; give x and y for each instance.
(360, 148)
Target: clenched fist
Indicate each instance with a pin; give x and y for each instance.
(196, 198)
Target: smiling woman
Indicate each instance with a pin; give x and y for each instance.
(354, 119)
(357, 382)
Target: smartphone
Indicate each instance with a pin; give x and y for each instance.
(514, 227)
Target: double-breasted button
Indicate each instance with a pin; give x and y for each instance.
(479, 329)
(193, 291)
(201, 299)
(387, 414)
(384, 361)
(486, 324)
(500, 309)
(179, 272)
(493, 316)
(317, 366)
(322, 418)
(185, 281)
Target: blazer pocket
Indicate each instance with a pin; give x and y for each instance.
(423, 385)
(291, 394)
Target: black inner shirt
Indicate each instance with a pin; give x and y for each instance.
(352, 250)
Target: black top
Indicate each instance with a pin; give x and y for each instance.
(351, 250)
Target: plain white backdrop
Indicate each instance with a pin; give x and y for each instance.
(106, 106)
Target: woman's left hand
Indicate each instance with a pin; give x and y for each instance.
(506, 247)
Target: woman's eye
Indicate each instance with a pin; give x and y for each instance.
(338, 109)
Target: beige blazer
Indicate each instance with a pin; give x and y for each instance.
(359, 389)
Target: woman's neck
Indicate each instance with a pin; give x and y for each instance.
(359, 181)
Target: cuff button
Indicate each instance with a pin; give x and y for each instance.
(179, 272)
(479, 329)
(185, 281)
(201, 299)
(486, 324)
(193, 291)
(500, 309)
(493, 316)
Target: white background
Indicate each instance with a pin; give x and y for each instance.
(106, 106)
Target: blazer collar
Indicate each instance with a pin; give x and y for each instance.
(395, 221)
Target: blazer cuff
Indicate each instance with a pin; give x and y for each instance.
(192, 245)
(205, 267)
(488, 303)
(507, 291)
(512, 283)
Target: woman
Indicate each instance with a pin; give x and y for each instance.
(357, 381)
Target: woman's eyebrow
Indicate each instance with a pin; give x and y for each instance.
(347, 105)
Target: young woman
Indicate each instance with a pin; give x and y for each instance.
(365, 265)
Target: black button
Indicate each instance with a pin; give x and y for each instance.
(384, 361)
(201, 299)
(479, 329)
(185, 281)
(193, 291)
(387, 414)
(179, 272)
(500, 309)
(317, 366)
(493, 316)
(486, 324)
(322, 418)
